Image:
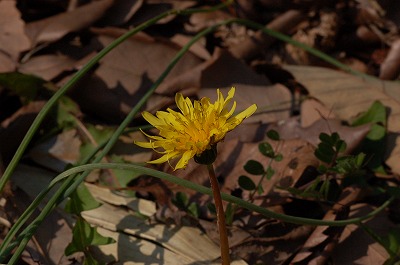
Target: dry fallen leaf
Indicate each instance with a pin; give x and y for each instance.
(291, 129)
(126, 74)
(348, 96)
(356, 246)
(12, 36)
(53, 28)
(47, 66)
(390, 67)
(57, 152)
(177, 239)
(273, 101)
(6, 63)
(53, 236)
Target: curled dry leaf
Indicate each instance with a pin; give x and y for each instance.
(53, 28)
(390, 68)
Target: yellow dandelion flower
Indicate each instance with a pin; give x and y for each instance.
(195, 130)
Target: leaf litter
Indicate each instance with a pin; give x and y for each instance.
(299, 102)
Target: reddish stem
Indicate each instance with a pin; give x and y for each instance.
(223, 235)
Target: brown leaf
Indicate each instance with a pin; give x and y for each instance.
(177, 239)
(226, 70)
(47, 66)
(356, 246)
(291, 129)
(126, 74)
(321, 243)
(202, 20)
(12, 36)
(57, 152)
(312, 111)
(53, 28)
(6, 63)
(273, 105)
(347, 96)
(203, 75)
(53, 236)
(233, 155)
(197, 48)
(139, 61)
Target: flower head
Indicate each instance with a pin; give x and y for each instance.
(197, 128)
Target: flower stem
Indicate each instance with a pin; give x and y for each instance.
(223, 235)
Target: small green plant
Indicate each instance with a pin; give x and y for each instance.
(335, 171)
(256, 168)
(181, 201)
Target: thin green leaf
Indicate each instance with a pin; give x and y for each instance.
(229, 213)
